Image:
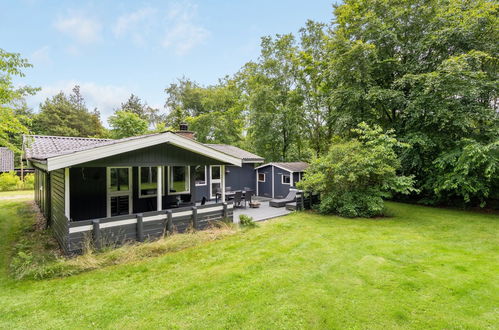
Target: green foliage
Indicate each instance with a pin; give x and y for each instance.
(214, 113)
(247, 221)
(355, 175)
(469, 172)
(12, 126)
(136, 106)
(124, 124)
(29, 181)
(67, 116)
(274, 103)
(427, 69)
(10, 181)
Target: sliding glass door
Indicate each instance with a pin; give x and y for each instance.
(216, 180)
(119, 191)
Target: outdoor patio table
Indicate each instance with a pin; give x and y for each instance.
(228, 194)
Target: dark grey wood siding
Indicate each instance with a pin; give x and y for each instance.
(265, 188)
(42, 192)
(239, 178)
(59, 222)
(280, 189)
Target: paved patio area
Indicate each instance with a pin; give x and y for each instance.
(264, 212)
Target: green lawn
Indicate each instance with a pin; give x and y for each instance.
(17, 193)
(421, 268)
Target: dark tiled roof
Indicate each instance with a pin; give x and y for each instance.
(43, 147)
(290, 166)
(236, 152)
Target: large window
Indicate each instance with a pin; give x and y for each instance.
(178, 180)
(119, 191)
(200, 175)
(261, 177)
(148, 184)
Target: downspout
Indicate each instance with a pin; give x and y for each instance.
(272, 181)
(257, 182)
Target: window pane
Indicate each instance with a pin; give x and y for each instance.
(148, 181)
(285, 179)
(178, 181)
(123, 179)
(119, 179)
(261, 177)
(119, 205)
(215, 187)
(114, 180)
(215, 172)
(200, 175)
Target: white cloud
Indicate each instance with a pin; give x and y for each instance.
(182, 31)
(176, 27)
(41, 56)
(137, 25)
(105, 98)
(81, 28)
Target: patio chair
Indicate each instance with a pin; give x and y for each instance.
(238, 196)
(291, 197)
(247, 196)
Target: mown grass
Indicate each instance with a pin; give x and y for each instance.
(17, 193)
(420, 268)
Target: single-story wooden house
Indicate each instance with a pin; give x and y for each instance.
(133, 188)
(275, 179)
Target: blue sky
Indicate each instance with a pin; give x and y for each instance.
(114, 48)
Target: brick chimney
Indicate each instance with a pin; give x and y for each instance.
(184, 131)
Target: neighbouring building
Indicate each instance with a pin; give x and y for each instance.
(6, 160)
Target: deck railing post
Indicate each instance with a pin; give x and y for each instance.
(169, 221)
(194, 217)
(224, 211)
(140, 227)
(302, 200)
(96, 235)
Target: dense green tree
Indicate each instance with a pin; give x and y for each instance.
(11, 99)
(183, 100)
(214, 113)
(150, 114)
(274, 103)
(67, 116)
(427, 69)
(125, 124)
(356, 175)
(314, 85)
(222, 118)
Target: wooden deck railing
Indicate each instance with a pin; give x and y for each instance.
(142, 226)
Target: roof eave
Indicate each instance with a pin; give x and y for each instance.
(102, 151)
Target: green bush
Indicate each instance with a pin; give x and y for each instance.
(10, 181)
(356, 175)
(246, 221)
(29, 181)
